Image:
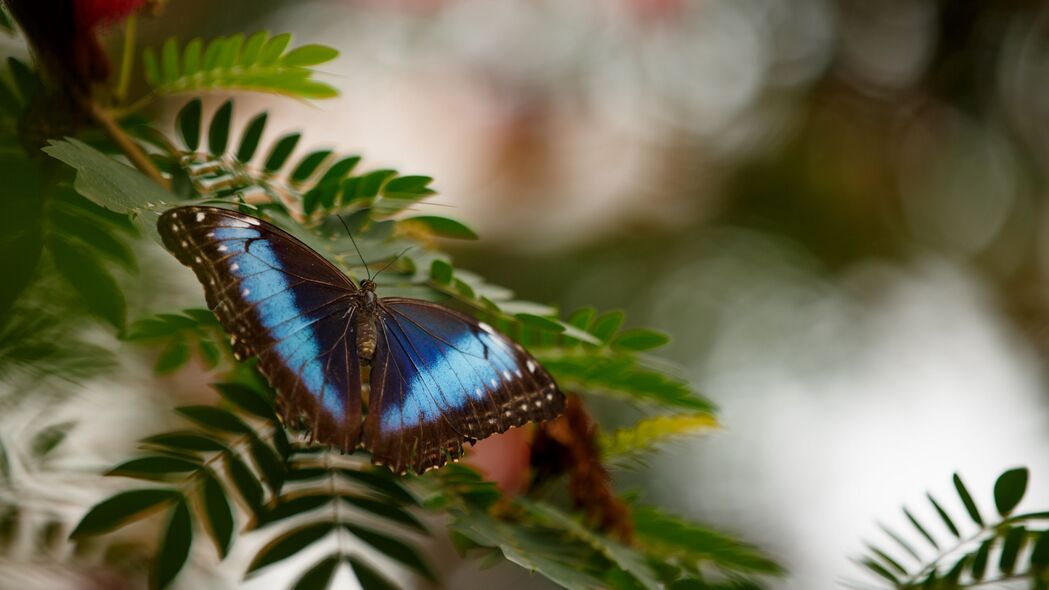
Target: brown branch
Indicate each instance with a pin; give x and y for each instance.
(134, 153)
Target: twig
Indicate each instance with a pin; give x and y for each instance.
(131, 149)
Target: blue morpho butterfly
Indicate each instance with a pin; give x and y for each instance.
(438, 378)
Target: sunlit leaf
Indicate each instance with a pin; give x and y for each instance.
(441, 226)
(309, 55)
(640, 339)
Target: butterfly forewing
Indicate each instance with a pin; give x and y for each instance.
(285, 304)
(440, 378)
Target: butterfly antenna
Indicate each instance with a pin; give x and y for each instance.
(395, 259)
(359, 255)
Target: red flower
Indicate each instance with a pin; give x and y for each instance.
(92, 13)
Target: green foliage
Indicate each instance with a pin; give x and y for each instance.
(260, 62)
(648, 433)
(1013, 546)
(179, 335)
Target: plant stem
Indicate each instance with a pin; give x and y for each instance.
(127, 58)
(131, 149)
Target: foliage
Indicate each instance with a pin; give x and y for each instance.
(1006, 546)
(233, 466)
(259, 62)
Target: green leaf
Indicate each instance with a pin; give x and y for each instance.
(442, 226)
(1009, 490)
(218, 131)
(674, 538)
(216, 418)
(623, 557)
(290, 543)
(294, 506)
(186, 441)
(269, 464)
(369, 578)
(48, 439)
(1011, 547)
(382, 482)
(1040, 553)
(217, 512)
(980, 558)
(169, 61)
(151, 467)
(109, 183)
(649, 432)
(280, 152)
(407, 185)
(151, 67)
(249, 142)
(173, 357)
(943, 515)
(967, 500)
(441, 271)
(95, 287)
(191, 57)
(246, 398)
(536, 321)
(392, 548)
(320, 575)
(880, 570)
(188, 123)
(920, 528)
(249, 488)
(385, 509)
(887, 559)
(174, 546)
(252, 48)
(273, 48)
(117, 510)
(640, 339)
(309, 55)
(621, 376)
(210, 354)
(309, 164)
(606, 326)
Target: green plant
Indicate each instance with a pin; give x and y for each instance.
(233, 466)
(990, 549)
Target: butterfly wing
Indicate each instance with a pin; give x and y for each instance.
(284, 303)
(440, 378)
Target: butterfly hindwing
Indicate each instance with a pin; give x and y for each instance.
(284, 303)
(440, 378)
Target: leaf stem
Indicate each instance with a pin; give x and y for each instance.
(131, 149)
(127, 58)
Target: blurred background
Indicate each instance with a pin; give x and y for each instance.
(837, 208)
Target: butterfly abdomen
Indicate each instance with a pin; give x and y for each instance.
(366, 325)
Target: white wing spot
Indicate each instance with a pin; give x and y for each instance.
(524, 407)
(492, 420)
(509, 413)
(198, 259)
(235, 223)
(200, 216)
(222, 248)
(539, 404)
(549, 397)
(531, 366)
(518, 373)
(185, 244)
(234, 266)
(495, 383)
(246, 292)
(477, 392)
(486, 328)
(251, 220)
(506, 375)
(175, 227)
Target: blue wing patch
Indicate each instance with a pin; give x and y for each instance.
(284, 303)
(440, 378)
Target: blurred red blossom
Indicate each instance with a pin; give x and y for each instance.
(92, 13)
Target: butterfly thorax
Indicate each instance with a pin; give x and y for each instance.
(367, 303)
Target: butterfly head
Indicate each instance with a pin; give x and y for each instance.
(368, 285)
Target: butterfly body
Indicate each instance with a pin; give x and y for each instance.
(438, 378)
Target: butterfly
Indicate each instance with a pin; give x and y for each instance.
(437, 378)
